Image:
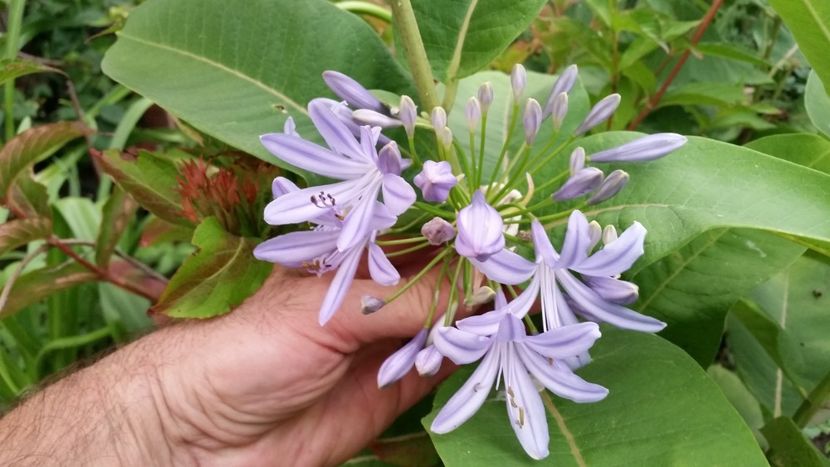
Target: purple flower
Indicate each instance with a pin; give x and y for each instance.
(583, 181)
(532, 120)
(613, 183)
(480, 230)
(509, 351)
(472, 111)
(551, 277)
(563, 84)
(435, 181)
(352, 92)
(408, 114)
(357, 162)
(646, 148)
(518, 81)
(599, 113)
(317, 251)
(485, 96)
(428, 361)
(397, 365)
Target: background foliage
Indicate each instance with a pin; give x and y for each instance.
(133, 182)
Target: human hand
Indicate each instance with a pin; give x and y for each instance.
(267, 385)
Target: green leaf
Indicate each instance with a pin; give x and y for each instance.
(692, 288)
(783, 361)
(237, 76)
(151, 179)
(809, 21)
(219, 276)
(662, 409)
(817, 103)
(789, 447)
(19, 232)
(731, 51)
(117, 213)
(32, 146)
(720, 94)
(38, 284)
(804, 149)
(740, 398)
(462, 37)
(12, 69)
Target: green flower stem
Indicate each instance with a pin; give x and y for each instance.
(401, 241)
(550, 156)
(514, 114)
(548, 184)
(413, 48)
(813, 402)
(522, 159)
(406, 251)
(436, 294)
(365, 8)
(480, 170)
(412, 152)
(449, 316)
(418, 219)
(435, 211)
(417, 277)
(474, 175)
(14, 24)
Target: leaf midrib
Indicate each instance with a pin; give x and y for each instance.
(808, 4)
(219, 66)
(455, 60)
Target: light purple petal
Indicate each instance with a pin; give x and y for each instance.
(532, 120)
(541, 243)
(370, 117)
(281, 186)
(565, 341)
(555, 309)
(524, 407)
(486, 324)
(380, 268)
(428, 361)
(295, 248)
(351, 91)
(559, 379)
(382, 217)
(358, 222)
(601, 310)
(617, 256)
(506, 267)
(469, 398)
(613, 183)
(565, 81)
(333, 131)
(435, 181)
(613, 290)
(599, 113)
(459, 346)
(389, 159)
(521, 305)
(398, 195)
(298, 206)
(480, 230)
(309, 156)
(577, 241)
(397, 365)
(582, 182)
(645, 148)
(339, 285)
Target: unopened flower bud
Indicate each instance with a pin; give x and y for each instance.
(408, 114)
(558, 110)
(397, 365)
(428, 361)
(370, 117)
(566, 81)
(444, 136)
(473, 113)
(646, 148)
(389, 159)
(580, 183)
(352, 92)
(532, 120)
(435, 181)
(594, 234)
(518, 81)
(613, 183)
(480, 229)
(481, 296)
(370, 304)
(577, 160)
(609, 234)
(438, 118)
(599, 113)
(485, 96)
(438, 231)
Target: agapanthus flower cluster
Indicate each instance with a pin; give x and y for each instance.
(470, 220)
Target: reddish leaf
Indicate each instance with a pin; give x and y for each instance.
(19, 232)
(39, 284)
(118, 211)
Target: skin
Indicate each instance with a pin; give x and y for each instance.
(264, 385)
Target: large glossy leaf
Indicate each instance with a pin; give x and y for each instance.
(662, 410)
(782, 363)
(817, 103)
(464, 36)
(789, 447)
(693, 287)
(219, 276)
(32, 146)
(804, 149)
(237, 76)
(709, 184)
(809, 21)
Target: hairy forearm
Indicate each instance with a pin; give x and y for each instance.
(113, 412)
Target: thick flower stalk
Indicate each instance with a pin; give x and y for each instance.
(483, 224)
